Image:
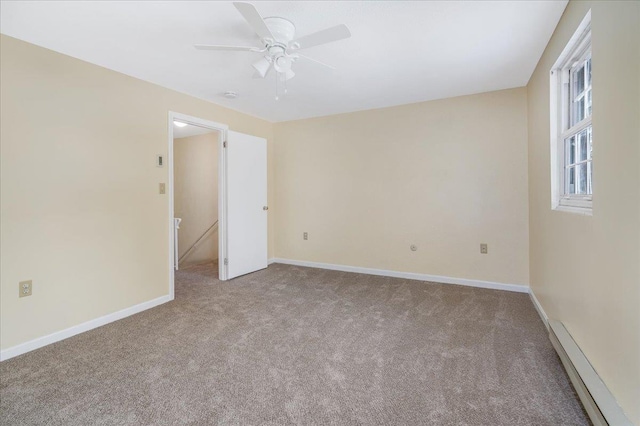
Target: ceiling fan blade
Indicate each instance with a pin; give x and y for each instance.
(316, 61)
(251, 15)
(262, 67)
(339, 32)
(288, 75)
(221, 47)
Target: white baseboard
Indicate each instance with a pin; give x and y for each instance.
(406, 275)
(597, 399)
(538, 306)
(80, 328)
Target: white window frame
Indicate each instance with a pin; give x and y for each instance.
(578, 49)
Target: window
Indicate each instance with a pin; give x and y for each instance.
(571, 129)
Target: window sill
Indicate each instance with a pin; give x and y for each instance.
(584, 211)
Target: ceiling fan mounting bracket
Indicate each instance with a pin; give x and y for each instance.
(276, 49)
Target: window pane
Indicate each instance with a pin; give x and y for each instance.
(581, 170)
(578, 168)
(578, 81)
(580, 93)
(584, 145)
(589, 143)
(570, 181)
(578, 111)
(570, 151)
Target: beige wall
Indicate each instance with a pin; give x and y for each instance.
(586, 270)
(195, 177)
(445, 175)
(81, 215)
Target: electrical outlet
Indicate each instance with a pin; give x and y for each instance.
(25, 288)
(305, 236)
(162, 188)
(484, 249)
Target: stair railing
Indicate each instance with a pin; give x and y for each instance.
(194, 245)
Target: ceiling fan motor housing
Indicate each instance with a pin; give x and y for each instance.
(283, 30)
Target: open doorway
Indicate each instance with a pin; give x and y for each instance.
(195, 195)
(241, 189)
(188, 137)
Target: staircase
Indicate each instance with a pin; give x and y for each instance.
(194, 245)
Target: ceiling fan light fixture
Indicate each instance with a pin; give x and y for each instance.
(282, 63)
(230, 94)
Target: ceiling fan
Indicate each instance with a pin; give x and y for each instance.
(277, 36)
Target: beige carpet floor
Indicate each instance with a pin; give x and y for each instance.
(292, 345)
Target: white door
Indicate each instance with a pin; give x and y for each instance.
(246, 204)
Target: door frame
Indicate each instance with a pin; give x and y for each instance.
(222, 194)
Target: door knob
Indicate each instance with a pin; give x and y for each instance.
(265, 208)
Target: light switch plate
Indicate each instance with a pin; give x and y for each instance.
(162, 188)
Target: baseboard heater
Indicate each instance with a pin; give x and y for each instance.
(598, 402)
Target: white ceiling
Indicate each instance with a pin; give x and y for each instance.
(400, 52)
